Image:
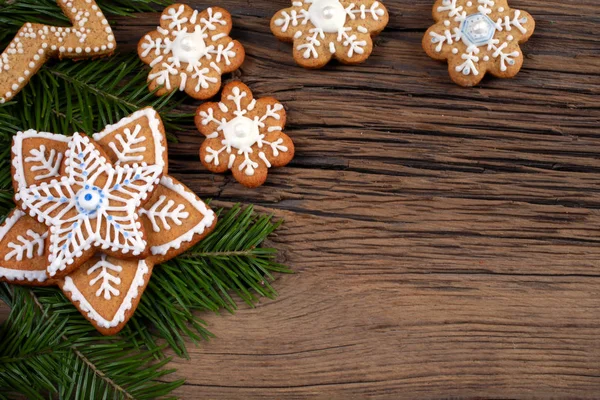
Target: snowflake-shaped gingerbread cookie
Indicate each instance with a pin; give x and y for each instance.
(190, 50)
(244, 135)
(110, 280)
(478, 36)
(322, 29)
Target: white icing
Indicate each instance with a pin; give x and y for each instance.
(206, 222)
(16, 274)
(161, 212)
(39, 44)
(478, 32)
(127, 148)
(189, 47)
(17, 150)
(328, 17)
(26, 248)
(105, 276)
(49, 163)
(134, 291)
(241, 133)
(197, 55)
(105, 215)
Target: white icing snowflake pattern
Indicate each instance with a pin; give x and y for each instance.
(26, 248)
(472, 32)
(47, 165)
(165, 212)
(108, 276)
(321, 29)
(190, 51)
(93, 205)
(243, 134)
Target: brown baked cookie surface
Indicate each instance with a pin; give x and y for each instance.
(478, 36)
(326, 29)
(190, 50)
(244, 135)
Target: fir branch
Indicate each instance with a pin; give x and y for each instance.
(68, 97)
(132, 365)
(47, 347)
(228, 261)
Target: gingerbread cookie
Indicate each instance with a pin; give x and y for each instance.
(90, 36)
(244, 135)
(322, 29)
(478, 36)
(105, 287)
(190, 50)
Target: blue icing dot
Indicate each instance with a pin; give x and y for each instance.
(50, 198)
(117, 226)
(85, 173)
(109, 217)
(87, 187)
(37, 197)
(137, 177)
(116, 187)
(126, 181)
(70, 235)
(125, 234)
(88, 197)
(64, 200)
(80, 155)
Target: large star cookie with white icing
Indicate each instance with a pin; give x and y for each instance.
(120, 188)
(190, 50)
(478, 36)
(322, 29)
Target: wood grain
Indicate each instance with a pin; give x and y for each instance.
(446, 240)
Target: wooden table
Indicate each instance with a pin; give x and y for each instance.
(446, 241)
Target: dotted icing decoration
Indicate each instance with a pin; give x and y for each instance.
(478, 36)
(322, 29)
(190, 50)
(90, 36)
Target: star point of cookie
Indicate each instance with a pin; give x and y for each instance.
(244, 135)
(190, 50)
(478, 36)
(105, 288)
(323, 29)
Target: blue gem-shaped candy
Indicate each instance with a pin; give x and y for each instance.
(478, 29)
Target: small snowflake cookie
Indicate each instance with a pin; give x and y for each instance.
(96, 215)
(322, 29)
(244, 135)
(190, 50)
(89, 36)
(478, 36)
